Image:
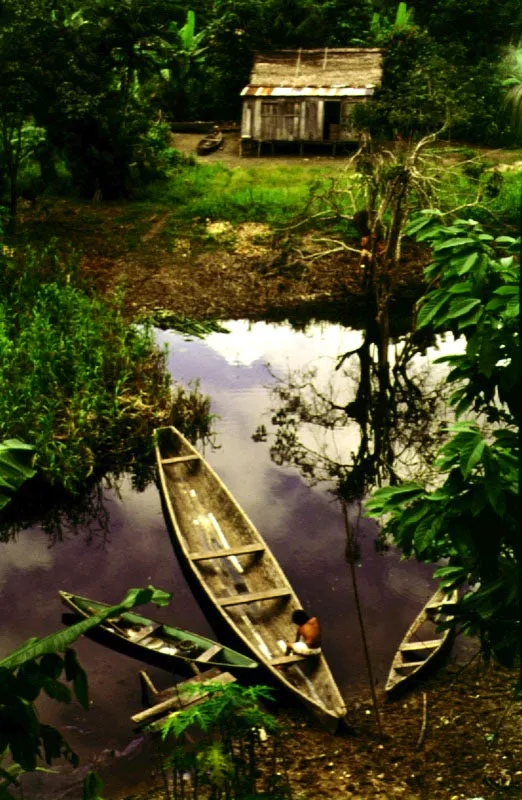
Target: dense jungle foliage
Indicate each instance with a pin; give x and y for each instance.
(88, 94)
(78, 383)
(93, 86)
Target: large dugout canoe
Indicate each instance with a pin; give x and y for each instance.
(153, 642)
(238, 573)
(423, 643)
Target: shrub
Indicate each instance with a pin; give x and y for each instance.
(77, 382)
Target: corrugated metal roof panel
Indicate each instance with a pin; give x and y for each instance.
(306, 91)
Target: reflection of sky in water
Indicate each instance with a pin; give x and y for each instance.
(303, 526)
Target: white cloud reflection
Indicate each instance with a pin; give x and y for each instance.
(281, 345)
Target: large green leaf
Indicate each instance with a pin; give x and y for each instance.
(458, 241)
(92, 786)
(461, 305)
(15, 467)
(58, 642)
(431, 308)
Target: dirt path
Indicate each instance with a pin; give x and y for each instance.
(288, 154)
(229, 155)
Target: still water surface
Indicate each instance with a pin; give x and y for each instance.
(302, 525)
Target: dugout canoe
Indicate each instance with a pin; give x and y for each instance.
(423, 643)
(234, 568)
(213, 141)
(162, 645)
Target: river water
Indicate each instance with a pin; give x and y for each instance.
(303, 526)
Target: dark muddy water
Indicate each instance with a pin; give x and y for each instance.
(303, 525)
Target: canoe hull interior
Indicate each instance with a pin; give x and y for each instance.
(175, 649)
(424, 644)
(230, 563)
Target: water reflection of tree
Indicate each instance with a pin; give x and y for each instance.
(59, 513)
(394, 414)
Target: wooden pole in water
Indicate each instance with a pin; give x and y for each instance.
(351, 558)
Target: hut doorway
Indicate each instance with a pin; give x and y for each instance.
(332, 119)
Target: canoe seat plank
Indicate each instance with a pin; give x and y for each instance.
(138, 636)
(227, 551)
(179, 459)
(224, 678)
(113, 623)
(238, 599)
(178, 698)
(283, 660)
(427, 645)
(408, 664)
(117, 627)
(210, 653)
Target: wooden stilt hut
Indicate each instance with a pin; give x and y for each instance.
(307, 96)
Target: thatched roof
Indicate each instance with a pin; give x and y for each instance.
(354, 67)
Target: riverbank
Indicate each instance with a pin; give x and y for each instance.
(225, 237)
(211, 270)
(456, 736)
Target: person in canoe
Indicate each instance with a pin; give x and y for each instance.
(308, 635)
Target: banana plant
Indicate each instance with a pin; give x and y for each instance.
(188, 50)
(403, 16)
(381, 27)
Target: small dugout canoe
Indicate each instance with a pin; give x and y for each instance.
(422, 643)
(237, 573)
(213, 141)
(153, 642)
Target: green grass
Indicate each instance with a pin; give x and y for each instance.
(499, 205)
(252, 194)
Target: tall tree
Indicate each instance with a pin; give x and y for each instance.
(475, 29)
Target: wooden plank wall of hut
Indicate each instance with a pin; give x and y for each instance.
(312, 123)
(295, 120)
(247, 114)
(278, 120)
(284, 120)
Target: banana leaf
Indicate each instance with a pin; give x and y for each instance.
(16, 460)
(57, 642)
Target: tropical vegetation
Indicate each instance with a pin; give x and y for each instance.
(88, 95)
(37, 667)
(134, 68)
(235, 731)
(79, 384)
